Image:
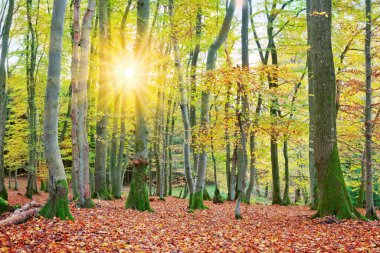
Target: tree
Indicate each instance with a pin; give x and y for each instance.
(243, 117)
(3, 91)
(138, 195)
(101, 188)
(57, 204)
(312, 170)
(333, 195)
(31, 61)
(369, 205)
(196, 201)
(184, 107)
(74, 98)
(82, 104)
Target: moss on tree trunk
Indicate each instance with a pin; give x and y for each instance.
(333, 195)
(58, 203)
(138, 195)
(196, 201)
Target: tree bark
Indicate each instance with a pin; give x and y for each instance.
(32, 46)
(333, 198)
(114, 140)
(183, 105)
(312, 169)
(360, 203)
(101, 189)
(286, 198)
(57, 204)
(196, 201)
(369, 204)
(3, 92)
(193, 78)
(138, 195)
(252, 142)
(83, 146)
(74, 99)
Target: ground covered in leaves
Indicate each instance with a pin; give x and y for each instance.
(171, 228)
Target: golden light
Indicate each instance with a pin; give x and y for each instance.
(129, 73)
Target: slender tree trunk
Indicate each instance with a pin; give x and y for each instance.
(165, 161)
(150, 174)
(369, 204)
(83, 146)
(196, 201)
(138, 195)
(226, 128)
(157, 147)
(101, 189)
(286, 198)
(193, 78)
(217, 197)
(361, 195)
(32, 45)
(16, 181)
(74, 99)
(118, 174)
(170, 150)
(252, 141)
(244, 145)
(312, 170)
(183, 105)
(114, 140)
(57, 204)
(233, 174)
(333, 198)
(274, 111)
(3, 91)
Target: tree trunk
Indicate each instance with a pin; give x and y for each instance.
(83, 147)
(32, 46)
(138, 195)
(184, 106)
(170, 151)
(193, 78)
(57, 204)
(286, 198)
(333, 198)
(274, 112)
(312, 170)
(114, 140)
(74, 99)
(165, 159)
(361, 194)
(233, 176)
(3, 91)
(252, 141)
(196, 201)
(244, 145)
(119, 167)
(369, 204)
(101, 189)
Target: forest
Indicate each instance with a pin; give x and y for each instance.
(189, 126)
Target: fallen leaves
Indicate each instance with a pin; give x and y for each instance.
(111, 228)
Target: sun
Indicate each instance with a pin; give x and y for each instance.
(129, 73)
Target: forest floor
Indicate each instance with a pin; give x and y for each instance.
(171, 228)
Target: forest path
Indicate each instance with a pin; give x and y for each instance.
(171, 228)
